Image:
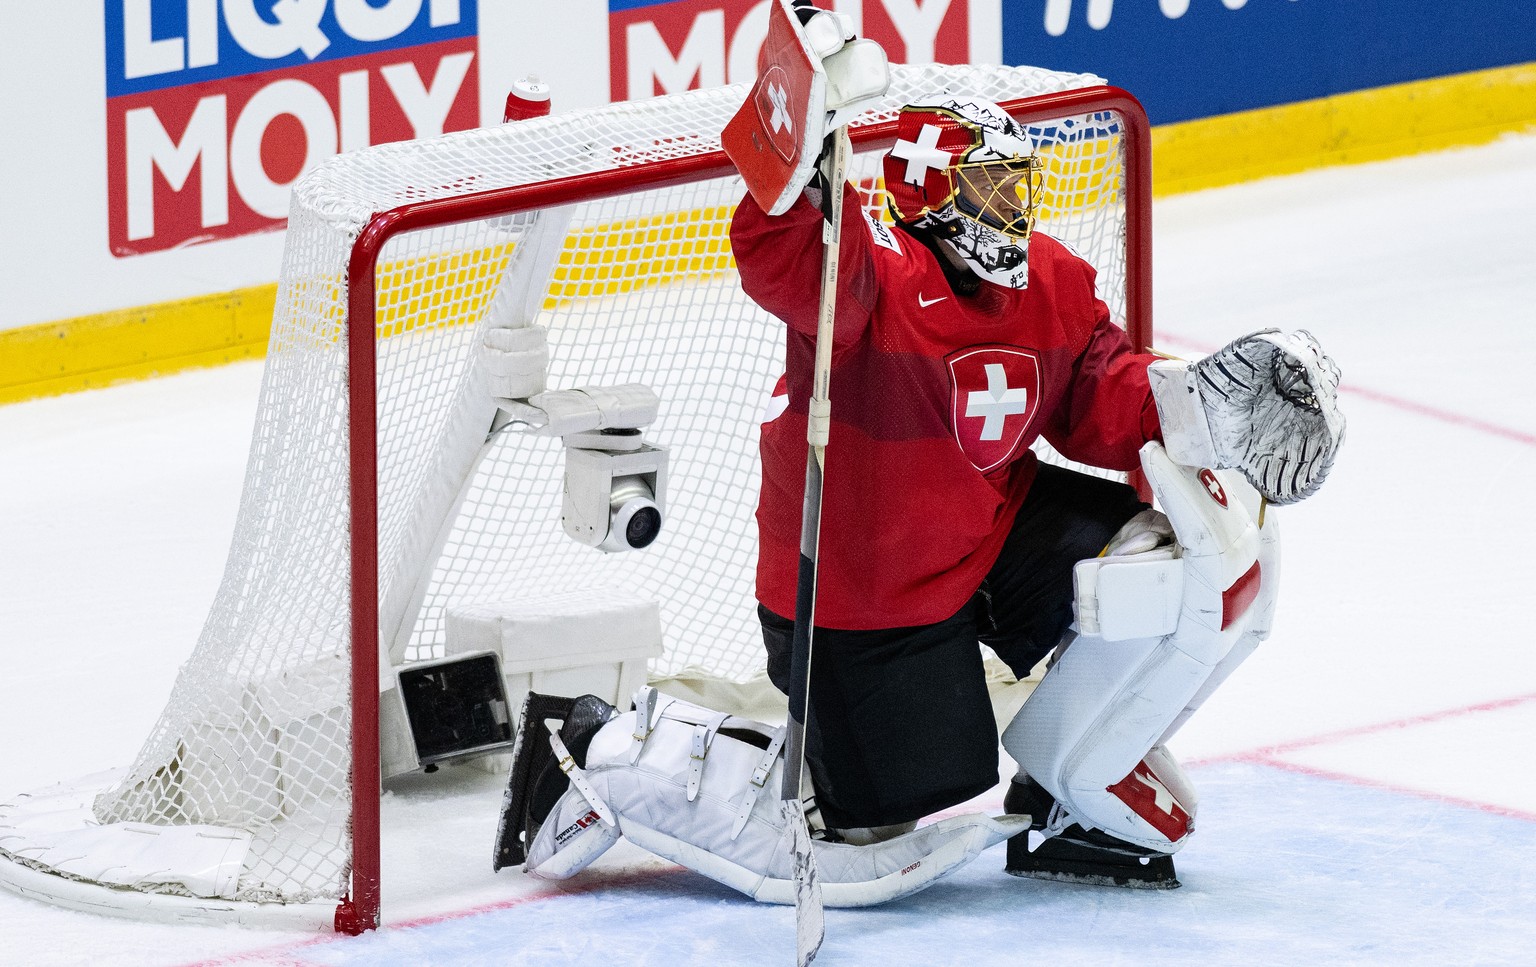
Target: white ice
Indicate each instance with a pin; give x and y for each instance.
(1366, 790)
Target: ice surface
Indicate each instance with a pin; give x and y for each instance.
(1365, 798)
(1289, 871)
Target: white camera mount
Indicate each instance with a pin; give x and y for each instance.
(615, 483)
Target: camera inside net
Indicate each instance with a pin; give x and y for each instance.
(614, 489)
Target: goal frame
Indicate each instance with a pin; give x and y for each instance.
(360, 907)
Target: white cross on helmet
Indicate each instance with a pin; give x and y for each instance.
(964, 169)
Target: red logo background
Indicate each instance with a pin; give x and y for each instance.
(1009, 406)
(1213, 486)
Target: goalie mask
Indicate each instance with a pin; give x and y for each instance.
(966, 172)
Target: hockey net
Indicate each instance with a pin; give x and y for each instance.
(367, 527)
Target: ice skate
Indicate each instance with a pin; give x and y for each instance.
(1078, 855)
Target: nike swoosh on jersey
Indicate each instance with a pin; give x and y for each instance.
(925, 303)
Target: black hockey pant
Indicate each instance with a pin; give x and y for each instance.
(900, 724)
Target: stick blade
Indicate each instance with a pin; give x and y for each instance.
(810, 923)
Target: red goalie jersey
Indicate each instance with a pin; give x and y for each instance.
(936, 399)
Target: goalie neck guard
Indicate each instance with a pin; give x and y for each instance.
(965, 172)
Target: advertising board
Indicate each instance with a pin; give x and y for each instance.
(1188, 59)
(215, 108)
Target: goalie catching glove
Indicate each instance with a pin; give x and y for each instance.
(1265, 405)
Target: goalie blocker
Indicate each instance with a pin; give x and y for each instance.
(812, 81)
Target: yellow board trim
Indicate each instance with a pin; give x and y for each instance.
(128, 344)
(1459, 110)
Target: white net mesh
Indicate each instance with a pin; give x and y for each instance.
(256, 732)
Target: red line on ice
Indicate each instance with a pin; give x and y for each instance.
(1271, 755)
(288, 955)
(1270, 751)
(1486, 807)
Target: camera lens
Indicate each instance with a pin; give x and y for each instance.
(635, 520)
(643, 527)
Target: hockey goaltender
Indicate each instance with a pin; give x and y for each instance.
(961, 336)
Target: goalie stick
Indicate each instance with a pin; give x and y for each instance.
(810, 927)
(776, 140)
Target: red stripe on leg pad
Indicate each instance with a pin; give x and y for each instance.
(1150, 799)
(1236, 599)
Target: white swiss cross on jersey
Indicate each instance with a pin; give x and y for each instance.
(995, 394)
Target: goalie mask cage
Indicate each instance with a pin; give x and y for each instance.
(374, 498)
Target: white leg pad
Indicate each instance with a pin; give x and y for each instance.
(1092, 732)
(679, 785)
